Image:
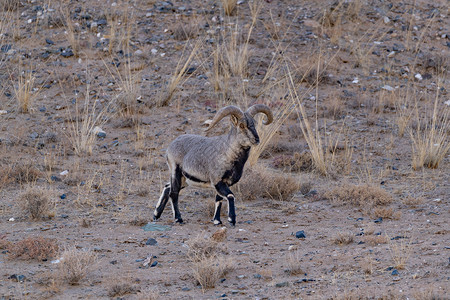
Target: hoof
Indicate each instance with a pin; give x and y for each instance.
(232, 222)
(180, 221)
(217, 222)
(155, 218)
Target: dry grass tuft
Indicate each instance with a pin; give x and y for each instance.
(298, 162)
(201, 247)
(179, 76)
(365, 196)
(367, 265)
(229, 6)
(81, 131)
(24, 173)
(262, 182)
(208, 262)
(120, 289)
(374, 240)
(343, 238)
(75, 265)
(185, 30)
(413, 201)
(293, 261)
(9, 5)
(25, 91)
(430, 140)
(220, 235)
(39, 248)
(400, 252)
(36, 203)
(208, 271)
(386, 213)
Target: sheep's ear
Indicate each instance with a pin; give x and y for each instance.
(234, 120)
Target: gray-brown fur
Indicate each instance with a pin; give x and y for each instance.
(215, 162)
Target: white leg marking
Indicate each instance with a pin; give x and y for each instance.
(216, 222)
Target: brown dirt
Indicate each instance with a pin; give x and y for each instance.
(106, 197)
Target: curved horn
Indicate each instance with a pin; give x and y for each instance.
(261, 108)
(223, 112)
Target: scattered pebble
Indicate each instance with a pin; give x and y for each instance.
(151, 242)
(300, 234)
(3, 112)
(64, 173)
(418, 77)
(387, 88)
(282, 284)
(379, 220)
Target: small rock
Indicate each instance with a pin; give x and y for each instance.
(34, 135)
(18, 278)
(11, 219)
(151, 242)
(64, 173)
(379, 220)
(418, 77)
(67, 53)
(63, 196)
(387, 88)
(49, 41)
(282, 284)
(99, 132)
(55, 178)
(138, 52)
(153, 264)
(3, 112)
(395, 272)
(312, 23)
(300, 234)
(386, 20)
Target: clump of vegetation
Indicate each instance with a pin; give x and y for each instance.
(208, 262)
(298, 162)
(120, 289)
(261, 182)
(343, 238)
(24, 173)
(75, 265)
(38, 248)
(36, 203)
(293, 261)
(366, 196)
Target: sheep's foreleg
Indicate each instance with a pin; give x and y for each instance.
(175, 187)
(162, 202)
(218, 206)
(224, 191)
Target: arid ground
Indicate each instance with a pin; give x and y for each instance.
(346, 197)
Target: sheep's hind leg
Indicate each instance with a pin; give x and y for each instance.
(224, 191)
(175, 187)
(162, 202)
(218, 206)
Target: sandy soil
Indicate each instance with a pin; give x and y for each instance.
(371, 53)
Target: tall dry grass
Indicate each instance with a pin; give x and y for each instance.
(179, 76)
(25, 91)
(81, 130)
(430, 138)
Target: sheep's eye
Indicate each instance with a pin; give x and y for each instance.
(242, 126)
